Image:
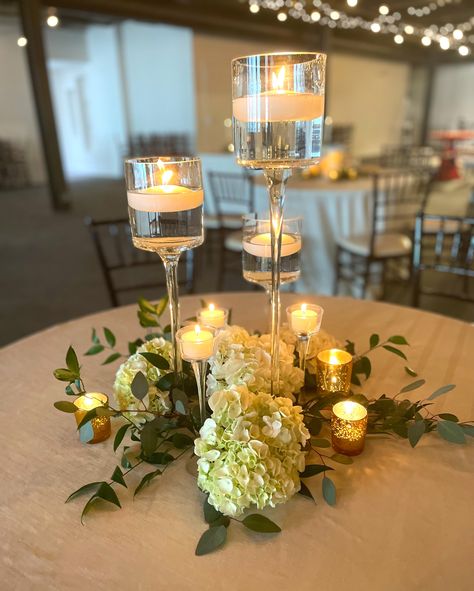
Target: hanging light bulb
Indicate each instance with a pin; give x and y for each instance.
(444, 43)
(52, 21)
(254, 8)
(282, 16)
(352, 3)
(375, 27)
(315, 16)
(21, 41)
(384, 9)
(398, 39)
(426, 41)
(334, 15)
(409, 30)
(458, 34)
(463, 50)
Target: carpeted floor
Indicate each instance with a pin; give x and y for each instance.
(50, 272)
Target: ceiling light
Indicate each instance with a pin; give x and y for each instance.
(458, 34)
(463, 50)
(409, 30)
(375, 27)
(52, 20)
(426, 41)
(384, 9)
(282, 16)
(315, 16)
(352, 3)
(398, 39)
(22, 41)
(334, 15)
(444, 43)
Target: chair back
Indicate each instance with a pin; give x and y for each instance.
(129, 271)
(233, 193)
(397, 198)
(448, 251)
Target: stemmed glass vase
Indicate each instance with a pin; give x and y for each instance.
(257, 256)
(165, 206)
(278, 112)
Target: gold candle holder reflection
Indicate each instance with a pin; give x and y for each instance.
(334, 369)
(99, 428)
(348, 427)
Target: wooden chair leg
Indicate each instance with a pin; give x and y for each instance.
(337, 277)
(365, 277)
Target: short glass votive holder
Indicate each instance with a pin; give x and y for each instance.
(334, 370)
(98, 429)
(213, 316)
(348, 427)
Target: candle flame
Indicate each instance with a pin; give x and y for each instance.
(333, 359)
(278, 79)
(303, 307)
(197, 329)
(166, 175)
(211, 307)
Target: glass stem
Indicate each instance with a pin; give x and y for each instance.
(303, 345)
(170, 261)
(200, 369)
(276, 182)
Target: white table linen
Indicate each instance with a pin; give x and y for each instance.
(403, 519)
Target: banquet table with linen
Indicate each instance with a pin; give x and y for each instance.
(403, 519)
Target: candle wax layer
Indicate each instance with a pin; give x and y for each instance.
(165, 198)
(260, 245)
(278, 105)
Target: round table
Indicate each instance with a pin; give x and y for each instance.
(403, 519)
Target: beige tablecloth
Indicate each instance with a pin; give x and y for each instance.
(403, 520)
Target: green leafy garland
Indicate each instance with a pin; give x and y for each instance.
(168, 437)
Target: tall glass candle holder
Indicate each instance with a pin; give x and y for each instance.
(165, 206)
(196, 345)
(305, 321)
(278, 111)
(334, 371)
(99, 428)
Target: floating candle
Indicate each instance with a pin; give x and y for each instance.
(212, 316)
(196, 343)
(259, 245)
(348, 427)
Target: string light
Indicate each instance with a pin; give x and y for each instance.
(447, 36)
(52, 21)
(21, 41)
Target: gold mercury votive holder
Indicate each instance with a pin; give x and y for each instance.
(334, 370)
(97, 429)
(348, 427)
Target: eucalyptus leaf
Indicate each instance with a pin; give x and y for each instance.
(354, 379)
(111, 358)
(159, 458)
(69, 391)
(350, 347)
(447, 416)
(139, 386)
(161, 305)
(441, 391)
(94, 337)
(261, 524)
(415, 432)
(133, 346)
(314, 469)
(94, 350)
(109, 337)
(90, 414)
(342, 459)
(329, 491)
(180, 400)
(120, 435)
(411, 372)
(398, 340)
(315, 426)
(166, 382)
(156, 360)
(146, 319)
(105, 493)
(468, 430)
(210, 512)
(149, 438)
(145, 481)
(181, 440)
(413, 386)
(320, 442)
(203, 303)
(374, 340)
(180, 408)
(146, 306)
(103, 411)
(71, 361)
(395, 351)
(451, 432)
(211, 540)
(304, 490)
(65, 406)
(117, 477)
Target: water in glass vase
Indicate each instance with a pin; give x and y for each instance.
(257, 261)
(166, 231)
(278, 144)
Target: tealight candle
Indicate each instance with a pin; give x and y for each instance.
(304, 319)
(348, 427)
(196, 343)
(334, 370)
(165, 197)
(98, 429)
(212, 316)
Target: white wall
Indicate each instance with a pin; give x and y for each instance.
(159, 78)
(453, 97)
(17, 112)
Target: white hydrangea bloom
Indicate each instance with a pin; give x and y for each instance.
(250, 450)
(242, 358)
(155, 400)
